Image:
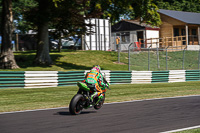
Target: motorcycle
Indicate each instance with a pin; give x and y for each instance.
(82, 100)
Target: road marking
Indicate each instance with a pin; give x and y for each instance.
(183, 129)
(105, 103)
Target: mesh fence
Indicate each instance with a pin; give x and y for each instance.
(154, 59)
(155, 54)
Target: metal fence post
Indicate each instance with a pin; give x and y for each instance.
(129, 61)
(166, 59)
(183, 58)
(115, 45)
(148, 59)
(118, 54)
(119, 49)
(157, 56)
(101, 43)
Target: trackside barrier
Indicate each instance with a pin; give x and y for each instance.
(41, 79)
(160, 76)
(70, 78)
(120, 77)
(141, 77)
(12, 79)
(192, 75)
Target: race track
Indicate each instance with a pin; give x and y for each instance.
(148, 116)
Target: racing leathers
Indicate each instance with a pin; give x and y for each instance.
(94, 77)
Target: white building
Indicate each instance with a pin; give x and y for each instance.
(100, 37)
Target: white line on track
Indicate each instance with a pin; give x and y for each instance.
(105, 103)
(183, 129)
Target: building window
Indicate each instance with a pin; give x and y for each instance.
(194, 32)
(183, 32)
(176, 31)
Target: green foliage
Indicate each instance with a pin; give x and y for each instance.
(69, 14)
(56, 2)
(144, 10)
(179, 5)
(20, 7)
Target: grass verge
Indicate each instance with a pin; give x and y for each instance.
(191, 131)
(70, 60)
(40, 98)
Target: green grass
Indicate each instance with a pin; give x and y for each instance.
(71, 60)
(191, 131)
(174, 60)
(40, 98)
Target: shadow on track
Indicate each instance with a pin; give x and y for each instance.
(68, 113)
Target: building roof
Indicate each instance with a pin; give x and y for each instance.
(130, 25)
(186, 17)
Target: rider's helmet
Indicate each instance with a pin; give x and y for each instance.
(97, 67)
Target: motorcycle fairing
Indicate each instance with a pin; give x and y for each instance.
(83, 86)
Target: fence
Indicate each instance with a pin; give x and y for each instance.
(157, 59)
(42, 79)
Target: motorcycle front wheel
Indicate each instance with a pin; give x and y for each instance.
(100, 104)
(76, 104)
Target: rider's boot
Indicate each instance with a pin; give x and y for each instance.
(93, 96)
(101, 96)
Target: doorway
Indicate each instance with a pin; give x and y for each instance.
(140, 35)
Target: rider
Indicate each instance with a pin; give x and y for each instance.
(95, 77)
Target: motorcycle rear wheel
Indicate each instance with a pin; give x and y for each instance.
(76, 105)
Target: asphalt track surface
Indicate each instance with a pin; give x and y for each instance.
(148, 116)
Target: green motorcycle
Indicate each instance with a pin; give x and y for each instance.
(82, 100)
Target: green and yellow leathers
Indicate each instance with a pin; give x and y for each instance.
(94, 77)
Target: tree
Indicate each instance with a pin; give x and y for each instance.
(143, 10)
(20, 7)
(7, 60)
(179, 5)
(67, 17)
(42, 56)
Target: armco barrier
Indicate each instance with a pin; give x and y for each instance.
(41, 79)
(141, 77)
(12, 79)
(192, 75)
(160, 76)
(120, 77)
(70, 77)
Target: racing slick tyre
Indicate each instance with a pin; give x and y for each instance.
(76, 104)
